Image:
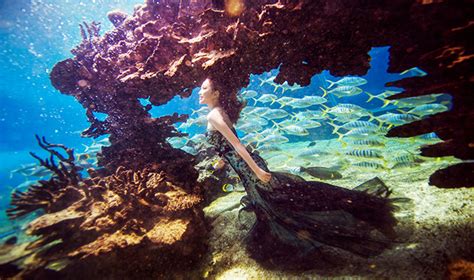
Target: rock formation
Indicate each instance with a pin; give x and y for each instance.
(165, 49)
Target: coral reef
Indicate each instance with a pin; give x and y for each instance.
(460, 269)
(165, 49)
(437, 41)
(52, 194)
(125, 225)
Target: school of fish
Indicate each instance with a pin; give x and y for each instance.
(274, 121)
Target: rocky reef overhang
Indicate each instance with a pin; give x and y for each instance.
(167, 48)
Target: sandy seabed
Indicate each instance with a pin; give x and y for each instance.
(440, 224)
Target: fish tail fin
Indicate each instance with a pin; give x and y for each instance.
(325, 92)
(258, 136)
(282, 104)
(255, 100)
(340, 136)
(343, 143)
(380, 125)
(325, 111)
(336, 127)
(273, 101)
(257, 143)
(252, 146)
(371, 96)
(345, 164)
(293, 116)
(86, 147)
(402, 111)
(386, 102)
(331, 83)
(377, 119)
(276, 87)
(275, 125)
(262, 81)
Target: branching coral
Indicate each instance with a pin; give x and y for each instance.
(142, 213)
(51, 195)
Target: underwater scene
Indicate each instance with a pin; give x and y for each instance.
(233, 139)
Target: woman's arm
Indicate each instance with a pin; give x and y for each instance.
(217, 120)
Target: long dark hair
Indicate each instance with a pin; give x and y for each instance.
(228, 99)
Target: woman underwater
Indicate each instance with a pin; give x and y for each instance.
(295, 217)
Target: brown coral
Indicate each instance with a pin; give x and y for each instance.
(460, 269)
(54, 194)
(111, 218)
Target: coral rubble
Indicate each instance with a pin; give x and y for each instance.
(116, 225)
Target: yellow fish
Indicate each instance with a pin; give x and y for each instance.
(227, 188)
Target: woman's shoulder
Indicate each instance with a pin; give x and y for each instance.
(217, 111)
(211, 113)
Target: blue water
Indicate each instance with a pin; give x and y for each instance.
(34, 35)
